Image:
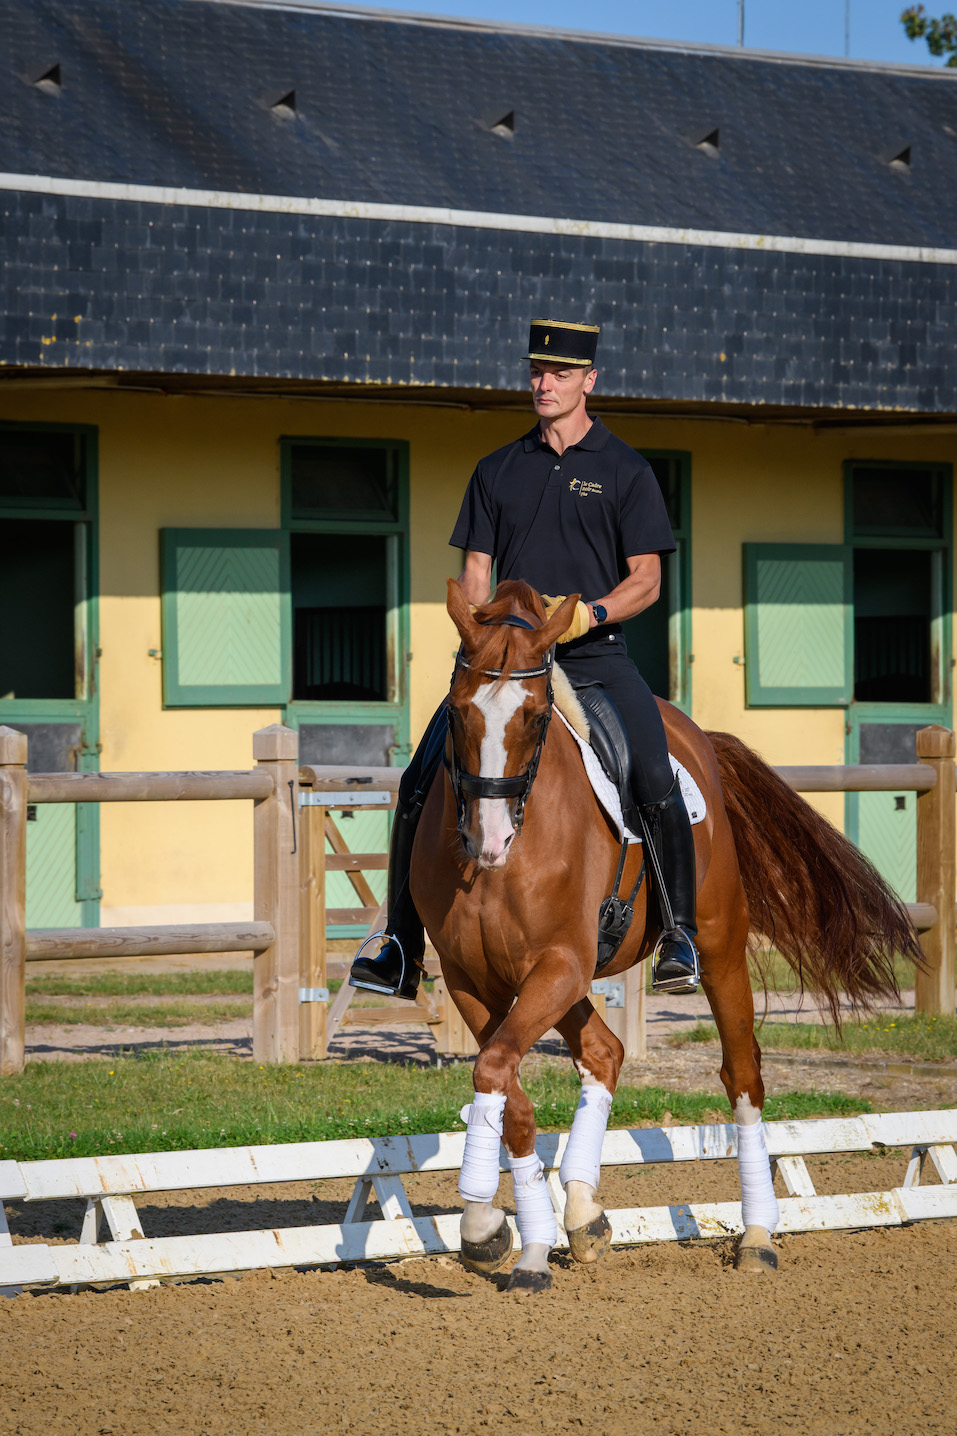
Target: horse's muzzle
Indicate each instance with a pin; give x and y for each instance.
(489, 850)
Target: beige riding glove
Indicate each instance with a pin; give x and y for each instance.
(580, 623)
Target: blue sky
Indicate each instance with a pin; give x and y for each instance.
(810, 27)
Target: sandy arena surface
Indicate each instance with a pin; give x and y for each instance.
(854, 1334)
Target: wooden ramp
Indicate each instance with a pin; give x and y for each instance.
(111, 1184)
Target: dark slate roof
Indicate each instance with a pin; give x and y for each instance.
(182, 290)
(178, 92)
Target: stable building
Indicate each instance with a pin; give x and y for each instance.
(269, 270)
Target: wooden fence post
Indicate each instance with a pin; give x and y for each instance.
(13, 899)
(628, 1022)
(276, 898)
(936, 874)
(313, 973)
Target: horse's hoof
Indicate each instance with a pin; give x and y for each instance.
(591, 1241)
(529, 1282)
(756, 1261)
(490, 1255)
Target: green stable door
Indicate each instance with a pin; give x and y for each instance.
(864, 626)
(48, 652)
(311, 617)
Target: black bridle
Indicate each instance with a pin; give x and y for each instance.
(473, 785)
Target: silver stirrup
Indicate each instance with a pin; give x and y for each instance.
(376, 987)
(689, 983)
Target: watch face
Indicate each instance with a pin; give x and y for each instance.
(601, 612)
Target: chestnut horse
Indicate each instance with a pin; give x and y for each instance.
(508, 878)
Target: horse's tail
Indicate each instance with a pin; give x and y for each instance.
(812, 894)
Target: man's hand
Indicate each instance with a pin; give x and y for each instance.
(581, 622)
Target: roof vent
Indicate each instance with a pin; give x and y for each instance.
(501, 123)
(283, 105)
(48, 79)
(708, 142)
(899, 159)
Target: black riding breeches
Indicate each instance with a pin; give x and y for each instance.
(423, 762)
(605, 660)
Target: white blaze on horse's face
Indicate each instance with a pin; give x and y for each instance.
(498, 703)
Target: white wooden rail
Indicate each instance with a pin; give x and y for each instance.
(110, 1185)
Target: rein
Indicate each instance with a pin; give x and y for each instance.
(473, 785)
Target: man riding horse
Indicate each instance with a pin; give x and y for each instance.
(568, 508)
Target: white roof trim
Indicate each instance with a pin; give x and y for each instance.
(473, 219)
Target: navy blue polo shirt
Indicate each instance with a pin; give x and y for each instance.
(564, 523)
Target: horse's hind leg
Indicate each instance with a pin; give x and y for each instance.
(598, 1056)
(727, 984)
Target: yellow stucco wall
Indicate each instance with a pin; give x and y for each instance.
(188, 462)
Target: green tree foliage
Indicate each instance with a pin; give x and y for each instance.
(941, 35)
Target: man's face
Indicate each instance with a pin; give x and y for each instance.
(559, 389)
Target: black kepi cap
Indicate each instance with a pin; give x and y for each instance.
(559, 343)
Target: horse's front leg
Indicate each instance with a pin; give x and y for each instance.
(598, 1056)
(546, 996)
(486, 1235)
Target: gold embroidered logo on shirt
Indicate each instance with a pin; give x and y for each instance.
(583, 489)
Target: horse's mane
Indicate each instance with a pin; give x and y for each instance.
(496, 649)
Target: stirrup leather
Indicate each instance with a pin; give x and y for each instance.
(687, 983)
(379, 987)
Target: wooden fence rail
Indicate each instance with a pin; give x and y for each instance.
(934, 914)
(293, 825)
(273, 935)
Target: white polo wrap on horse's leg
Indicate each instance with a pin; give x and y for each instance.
(485, 1116)
(534, 1213)
(581, 1161)
(759, 1205)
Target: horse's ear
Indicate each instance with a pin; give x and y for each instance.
(461, 614)
(560, 621)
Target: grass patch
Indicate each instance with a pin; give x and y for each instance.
(173, 1101)
(140, 984)
(921, 1038)
(781, 977)
(135, 1014)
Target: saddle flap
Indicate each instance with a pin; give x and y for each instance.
(610, 743)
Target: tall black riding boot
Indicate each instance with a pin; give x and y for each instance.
(395, 969)
(674, 964)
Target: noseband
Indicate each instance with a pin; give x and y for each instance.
(473, 785)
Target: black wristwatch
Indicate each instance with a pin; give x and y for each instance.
(600, 612)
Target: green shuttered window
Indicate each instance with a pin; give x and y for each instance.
(798, 625)
(226, 626)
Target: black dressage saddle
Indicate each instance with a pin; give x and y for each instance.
(610, 742)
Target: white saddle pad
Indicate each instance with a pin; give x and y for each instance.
(607, 793)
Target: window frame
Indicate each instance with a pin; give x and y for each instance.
(939, 708)
(394, 709)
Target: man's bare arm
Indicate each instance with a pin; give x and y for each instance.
(476, 577)
(636, 592)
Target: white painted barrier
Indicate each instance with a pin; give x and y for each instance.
(110, 1184)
